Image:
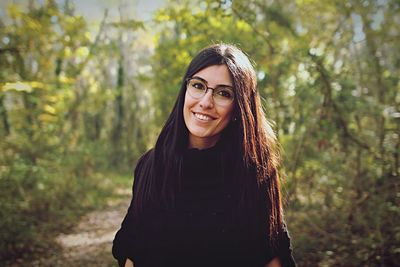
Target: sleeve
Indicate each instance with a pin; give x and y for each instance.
(123, 244)
(123, 238)
(285, 249)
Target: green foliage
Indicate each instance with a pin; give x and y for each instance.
(73, 104)
(55, 127)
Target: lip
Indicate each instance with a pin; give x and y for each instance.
(204, 114)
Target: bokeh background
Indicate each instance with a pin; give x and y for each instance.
(85, 87)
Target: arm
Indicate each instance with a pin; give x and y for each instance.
(280, 255)
(285, 250)
(123, 238)
(123, 244)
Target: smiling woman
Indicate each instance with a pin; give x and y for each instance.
(208, 193)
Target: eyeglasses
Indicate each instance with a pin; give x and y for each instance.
(223, 95)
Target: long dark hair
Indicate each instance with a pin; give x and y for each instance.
(250, 135)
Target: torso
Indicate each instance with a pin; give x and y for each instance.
(204, 228)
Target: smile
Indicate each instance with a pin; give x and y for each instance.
(202, 117)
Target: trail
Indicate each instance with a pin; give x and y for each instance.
(90, 241)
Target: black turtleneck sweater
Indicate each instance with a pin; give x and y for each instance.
(204, 228)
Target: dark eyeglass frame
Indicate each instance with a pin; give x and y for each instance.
(187, 80)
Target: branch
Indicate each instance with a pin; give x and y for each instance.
(9, 49)
(338, 114)
(94, 44)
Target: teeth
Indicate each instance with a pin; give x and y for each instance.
(202, 117)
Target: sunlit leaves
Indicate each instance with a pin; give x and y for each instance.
(41, 49)
(128, 24)
(18, 86)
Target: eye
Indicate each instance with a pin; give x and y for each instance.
(196, 84)
(224, 93)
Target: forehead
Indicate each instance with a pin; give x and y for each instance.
(215, 75)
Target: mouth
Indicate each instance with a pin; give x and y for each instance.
(203, 117)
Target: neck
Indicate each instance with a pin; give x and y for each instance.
(202, 142)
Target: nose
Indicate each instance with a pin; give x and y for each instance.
(207, 100)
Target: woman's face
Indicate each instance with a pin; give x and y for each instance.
(204, 118)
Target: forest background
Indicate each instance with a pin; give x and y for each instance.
(80, 103)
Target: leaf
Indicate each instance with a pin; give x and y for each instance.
(49, 109)
(129, 24)
(22, 86)
(18, 86)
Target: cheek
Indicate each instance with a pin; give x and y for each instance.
(188, 101)
(186, 108)
(227, 114)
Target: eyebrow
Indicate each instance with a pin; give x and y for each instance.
(206, 82)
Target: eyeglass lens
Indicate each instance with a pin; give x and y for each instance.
(223, 95)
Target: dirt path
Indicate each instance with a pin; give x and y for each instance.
(89, 244)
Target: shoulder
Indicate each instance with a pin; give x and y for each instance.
(145, 158)
(142, 162)
(142, 167)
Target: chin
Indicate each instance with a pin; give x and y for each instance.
(200, 135)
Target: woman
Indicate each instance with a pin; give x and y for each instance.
(208, 193)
